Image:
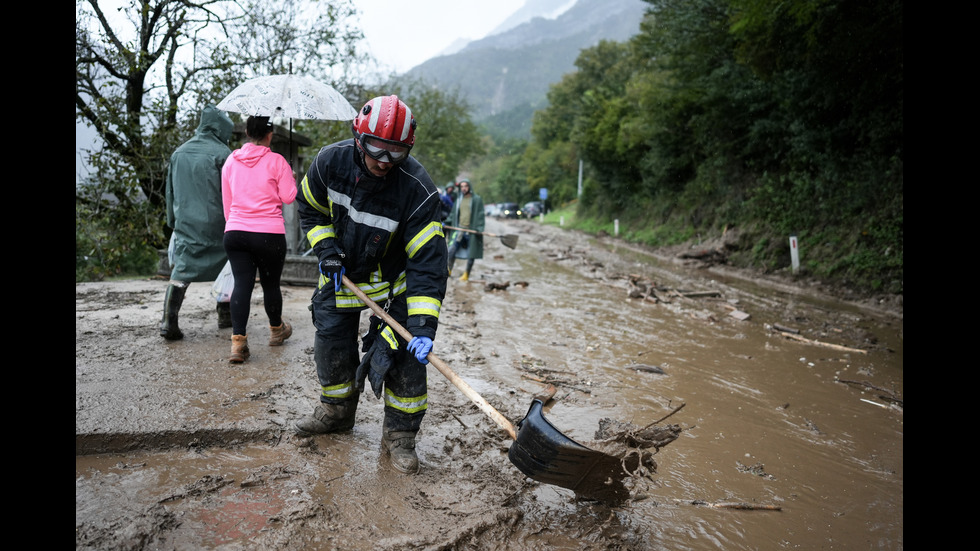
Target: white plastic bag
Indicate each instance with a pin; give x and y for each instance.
(224, 284)
(170, 249)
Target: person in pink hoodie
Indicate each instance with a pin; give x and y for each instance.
(255, 183)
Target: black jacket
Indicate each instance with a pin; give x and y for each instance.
(388, 231)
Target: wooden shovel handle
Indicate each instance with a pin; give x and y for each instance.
(546, 394)
(471, 231)
(438, 363)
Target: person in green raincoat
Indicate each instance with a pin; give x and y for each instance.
(467, 214)
(196, 215)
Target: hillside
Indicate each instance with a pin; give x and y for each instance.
(506, 76)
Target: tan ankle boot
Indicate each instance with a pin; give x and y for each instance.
(239, 349)
(279, 334)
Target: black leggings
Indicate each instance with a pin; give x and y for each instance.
(250, 252)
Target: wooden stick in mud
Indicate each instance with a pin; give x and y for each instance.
(746, 506)
(678, 408)
(885, 394)
(733, 505)
(819, 343)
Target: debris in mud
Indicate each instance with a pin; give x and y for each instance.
(741, 505)
(792, 336)
(758, 470)
(252, 480)
(205, 485)
(739, 315)
(883, 393)
(631, 446)
(491, 286)
(785, 329)
(707, 257)
(651, 436)
(643, 368)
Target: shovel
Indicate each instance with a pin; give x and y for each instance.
(539, 450)
(509, 240)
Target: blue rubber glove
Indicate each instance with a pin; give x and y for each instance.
(420, 347)
(333, 269)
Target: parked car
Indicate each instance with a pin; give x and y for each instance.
(510, 210)
(534, 208)
(493, 209)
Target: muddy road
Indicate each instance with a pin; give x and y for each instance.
(789, 400)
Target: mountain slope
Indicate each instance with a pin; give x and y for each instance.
(506, 76)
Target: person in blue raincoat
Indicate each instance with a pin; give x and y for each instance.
(196, 215)
(467, 214)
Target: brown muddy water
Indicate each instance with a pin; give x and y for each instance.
(789, 441)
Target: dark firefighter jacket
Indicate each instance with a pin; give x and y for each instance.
(387, 231)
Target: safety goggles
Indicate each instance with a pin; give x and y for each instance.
(382, 151)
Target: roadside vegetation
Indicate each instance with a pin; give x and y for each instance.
(778, 118)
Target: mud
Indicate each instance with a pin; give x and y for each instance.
(780, 399)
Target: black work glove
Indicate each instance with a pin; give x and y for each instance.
(333, 269)
(380, 345)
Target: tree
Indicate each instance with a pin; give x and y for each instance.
(144, 70)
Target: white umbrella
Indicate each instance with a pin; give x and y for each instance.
(288, 96)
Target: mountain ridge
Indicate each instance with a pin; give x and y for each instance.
(506, 76)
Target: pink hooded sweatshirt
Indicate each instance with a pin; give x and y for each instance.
(255, 182)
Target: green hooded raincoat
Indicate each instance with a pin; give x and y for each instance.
(194, 208)
(474, 248)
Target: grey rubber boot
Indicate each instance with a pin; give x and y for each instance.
(328, 418)
(400, 445)
(171, 307)
(224, 315)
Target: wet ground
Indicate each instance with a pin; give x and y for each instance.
(789, 403)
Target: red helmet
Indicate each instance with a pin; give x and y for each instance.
(385, 129)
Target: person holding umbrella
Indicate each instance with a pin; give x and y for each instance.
(373, 217)
(255, 183)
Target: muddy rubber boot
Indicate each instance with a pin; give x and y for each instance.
(224, 315)
(465, 276)
(171, 306)
(239, 349)
(400, 445)
(328, 418)
(279, 334)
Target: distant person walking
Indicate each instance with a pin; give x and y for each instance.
(448, 198)
(255, 183)
(467, 214)
(193, 197)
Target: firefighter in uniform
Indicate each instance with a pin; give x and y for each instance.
(372, 213)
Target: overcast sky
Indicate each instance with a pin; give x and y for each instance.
(403, 33)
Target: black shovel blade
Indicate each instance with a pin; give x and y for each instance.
(544, 454)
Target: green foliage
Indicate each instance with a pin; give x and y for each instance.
(446, 136)
(116, 229)
(143, 73)
(774, 117)
(500, 176)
